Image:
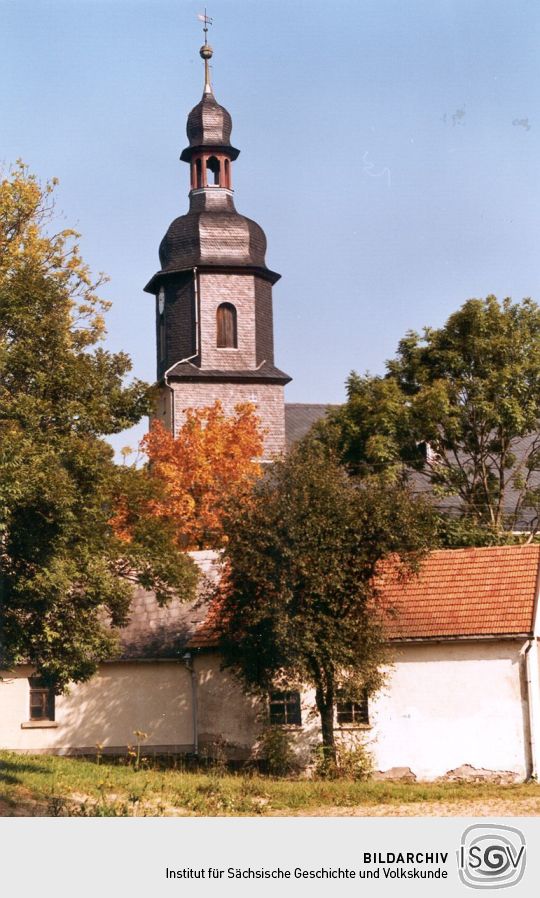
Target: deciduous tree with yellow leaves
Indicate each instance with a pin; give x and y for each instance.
(64, 570)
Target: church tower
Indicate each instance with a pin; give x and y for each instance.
(213, 292)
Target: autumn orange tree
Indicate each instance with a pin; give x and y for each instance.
(214, 459)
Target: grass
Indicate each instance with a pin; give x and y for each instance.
(53, 786)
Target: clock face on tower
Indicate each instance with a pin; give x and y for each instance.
(161, 300)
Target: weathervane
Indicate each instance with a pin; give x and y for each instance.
(206, 51)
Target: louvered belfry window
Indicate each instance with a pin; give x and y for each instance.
(226, 326)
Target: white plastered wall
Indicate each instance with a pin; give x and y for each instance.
(443, 705)
(151, 697)
(449, 704)
(227, 714)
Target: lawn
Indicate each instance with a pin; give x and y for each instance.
(52, 786)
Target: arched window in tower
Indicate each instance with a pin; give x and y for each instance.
(212, 172)
(226, 326)
(198, 173)
(227, 173)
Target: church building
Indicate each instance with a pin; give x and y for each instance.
(462, 692)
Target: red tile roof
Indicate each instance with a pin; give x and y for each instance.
(458, 592)
(467, 592)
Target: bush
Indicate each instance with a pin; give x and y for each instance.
(213, 756)
(352, 762)
(276, 750)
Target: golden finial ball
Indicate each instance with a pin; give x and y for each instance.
(206, 51)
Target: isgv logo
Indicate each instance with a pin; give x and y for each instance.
(491, 856)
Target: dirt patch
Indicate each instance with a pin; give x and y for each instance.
(527, 807)
(26, 808)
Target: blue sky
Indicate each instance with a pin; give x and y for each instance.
(389, 150)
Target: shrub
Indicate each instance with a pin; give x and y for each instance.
(214, 757)
(352, 762)
(276, 750)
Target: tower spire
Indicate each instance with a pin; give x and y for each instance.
(213, 290)
(206, 51)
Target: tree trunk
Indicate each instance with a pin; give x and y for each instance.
(327, 727)
(325, 707)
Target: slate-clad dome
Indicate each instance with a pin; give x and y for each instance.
(209, 124)
(212, 238)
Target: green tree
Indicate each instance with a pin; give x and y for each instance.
(299, 602)
(461, 404)
(66, 577)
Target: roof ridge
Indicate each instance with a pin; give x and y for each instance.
(487, 548)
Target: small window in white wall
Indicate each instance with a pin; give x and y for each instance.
(41, 700)
(285, 708)
(353, 713)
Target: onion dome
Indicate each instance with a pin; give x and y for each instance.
(214, 239)
(208, 124)
(212, 234)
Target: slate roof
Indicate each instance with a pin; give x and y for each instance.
(212, 238)
(159, 632)
(212, 234)
(300, 417)
(156, 631)
(206, 635)
(167, 631)
(267, 372)
(526, 519)
(209, 125)
(478, 592)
